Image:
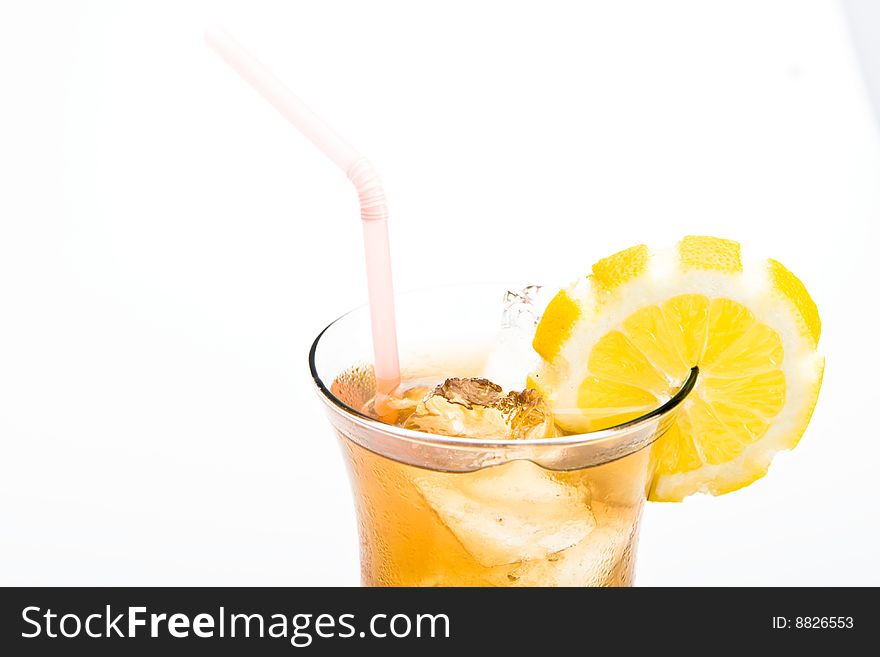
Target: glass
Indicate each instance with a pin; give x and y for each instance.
(436, 510)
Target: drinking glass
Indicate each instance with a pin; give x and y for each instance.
(436, 510)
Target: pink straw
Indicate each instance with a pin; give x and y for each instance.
(374, 213)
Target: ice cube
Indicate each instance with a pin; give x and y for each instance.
(397, 407)
(522, 309)
(478, 408)
(509, 513)
(590, 562)
(512, 356)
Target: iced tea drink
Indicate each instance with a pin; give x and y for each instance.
(502, 504)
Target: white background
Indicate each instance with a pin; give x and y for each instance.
(169, 246)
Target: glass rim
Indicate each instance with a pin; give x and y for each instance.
(411, 435)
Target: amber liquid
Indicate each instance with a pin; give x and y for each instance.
(516, 524)
(405, 541)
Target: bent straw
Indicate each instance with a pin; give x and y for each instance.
(374, 213)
